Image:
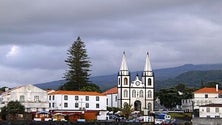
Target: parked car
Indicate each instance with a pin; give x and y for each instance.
(169, 122)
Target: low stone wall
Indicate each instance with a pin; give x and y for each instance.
(206, 121)
(69, 123)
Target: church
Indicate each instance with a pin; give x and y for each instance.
(136, 92)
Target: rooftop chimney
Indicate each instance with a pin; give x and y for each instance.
(6, 89)
(216, 87)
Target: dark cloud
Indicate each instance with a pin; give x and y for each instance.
(35, 36)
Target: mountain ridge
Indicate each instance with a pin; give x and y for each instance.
(162, 76)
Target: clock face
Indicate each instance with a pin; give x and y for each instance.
(137, 83)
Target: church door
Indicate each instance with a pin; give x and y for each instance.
(137, 105)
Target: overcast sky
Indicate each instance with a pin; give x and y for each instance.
(35, 35)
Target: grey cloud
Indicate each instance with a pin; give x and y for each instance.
(35, 57)
(174, 32)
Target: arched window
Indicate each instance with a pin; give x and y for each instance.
(149, 106)
(149, 94)
(141, 93)
(134, 93)
(125, 81)
(149, 82)
(125, 93)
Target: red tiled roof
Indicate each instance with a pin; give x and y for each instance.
(62, 92)
(111, 91)
(208, 90)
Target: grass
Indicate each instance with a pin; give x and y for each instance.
(179, 115)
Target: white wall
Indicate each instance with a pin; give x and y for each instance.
(59, 102)
(112, 100)
(212, 113)
(29, 92)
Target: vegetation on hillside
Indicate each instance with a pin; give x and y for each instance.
(170, 97)
(192, 79)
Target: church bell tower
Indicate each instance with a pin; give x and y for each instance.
(123, 83)
(148, 80)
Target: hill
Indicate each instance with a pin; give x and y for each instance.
(164, 77)
(194, 78)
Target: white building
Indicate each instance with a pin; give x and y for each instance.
(211, 111)
(138, 93)
(205, 96)
(33, 98)
(111, 95)
(68, 101)
(187, 105)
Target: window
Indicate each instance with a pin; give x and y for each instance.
(149, 82)
(49, 105)
(50, 97)
(208, 109)
(134, 93)
(22, 98)
(87, 105)
(97, 105)
(36, 98)
(198, 103)
(125, 81)
(149, 106)
(201, 102)
(125, 93)
(53, 97)
(28, 109)
(206, 95)
(141, 93)
(76, 105)
(149, 94)
(116, 98)
(107, 101)
(65, 105)
(87, 98)
(119, 81)
(53, 105)
(217, 109)
(65, 97)
(76, 97)
(97, 98)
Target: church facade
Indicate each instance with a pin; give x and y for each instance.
(139, 93)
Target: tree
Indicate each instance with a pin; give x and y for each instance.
(12, 108)
(127, 110)
(3, 88)
(78, 63)
(180, 87)
(91, 88)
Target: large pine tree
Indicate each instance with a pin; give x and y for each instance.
(78, 62)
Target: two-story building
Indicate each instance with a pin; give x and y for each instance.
(210, 111)
(72, 101)
(111, 95)
(33, 98)
(205, 96)
(187, 105)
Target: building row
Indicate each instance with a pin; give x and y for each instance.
(206, 102)
(137, 91)
(36, 100)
